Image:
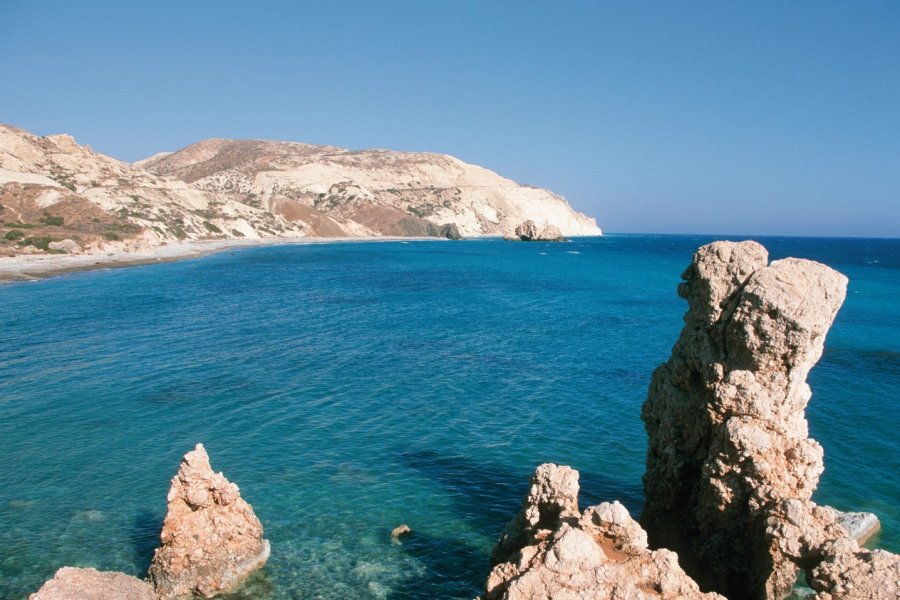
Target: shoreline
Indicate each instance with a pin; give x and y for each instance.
(32, 267)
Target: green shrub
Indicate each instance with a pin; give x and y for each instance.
(41, 242)
(14, 234)
(211, 227)
(51, 220)
(111, 236)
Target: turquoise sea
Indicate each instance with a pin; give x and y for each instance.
(348, 388)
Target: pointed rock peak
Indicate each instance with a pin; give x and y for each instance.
(211, 538)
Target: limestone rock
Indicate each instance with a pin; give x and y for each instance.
(68, 246)
(70, 583)
(552, 551)
(528, 232)
(553, 496)
(849, 572)
(449, 231)
(730, 466)
(211, 539)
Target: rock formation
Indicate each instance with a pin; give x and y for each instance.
(70, 583)
(529, 232)
(211, 539)
(551, 550)
(730, 466)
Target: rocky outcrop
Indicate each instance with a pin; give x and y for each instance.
(70, 583)
(730, 466)
(551, 550)
(529, 232)
(211, 539)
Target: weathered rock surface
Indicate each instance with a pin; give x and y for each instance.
(529, 232)
(730, 465)
(70, 583)
(849, 572)
(211, 539)
(551, 550)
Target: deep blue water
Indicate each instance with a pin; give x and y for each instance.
(348, 388)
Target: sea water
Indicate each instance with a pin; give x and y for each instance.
(348, 388)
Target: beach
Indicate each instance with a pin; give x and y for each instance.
(26, 267)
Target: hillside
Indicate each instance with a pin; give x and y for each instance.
(58, 196)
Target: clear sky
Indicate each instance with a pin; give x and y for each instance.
(706, 117)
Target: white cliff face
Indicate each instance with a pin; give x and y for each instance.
(221, 189)
(438, 188)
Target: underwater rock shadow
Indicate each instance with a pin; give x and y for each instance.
(144, 539)
(489, 496)
(450, 564)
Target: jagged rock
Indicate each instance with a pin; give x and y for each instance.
(529, 232)
(849, 572)
(553, 496)
(211, 539)
(70, 583)
(859, 526)
(550, 550)
(730, 466)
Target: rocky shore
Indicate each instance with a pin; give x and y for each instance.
(730, 465)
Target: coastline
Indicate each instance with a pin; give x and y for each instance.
(31, 267)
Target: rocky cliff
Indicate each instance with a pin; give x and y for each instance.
(52, 190)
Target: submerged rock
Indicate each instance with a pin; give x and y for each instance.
(400, 531)
(211, 539)
(70, 583)
(551, 550)
(859, 526)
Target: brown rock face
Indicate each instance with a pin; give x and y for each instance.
(70, 583)
(730, 466)
(211, 539)
(551, 550)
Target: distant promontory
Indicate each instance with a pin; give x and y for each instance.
(57, 196)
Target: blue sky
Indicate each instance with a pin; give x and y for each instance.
(775, 118)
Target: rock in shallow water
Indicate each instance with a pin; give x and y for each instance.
(211, 539)
(551, 550)
(70, 583)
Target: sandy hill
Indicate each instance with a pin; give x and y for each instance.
(52, 189)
